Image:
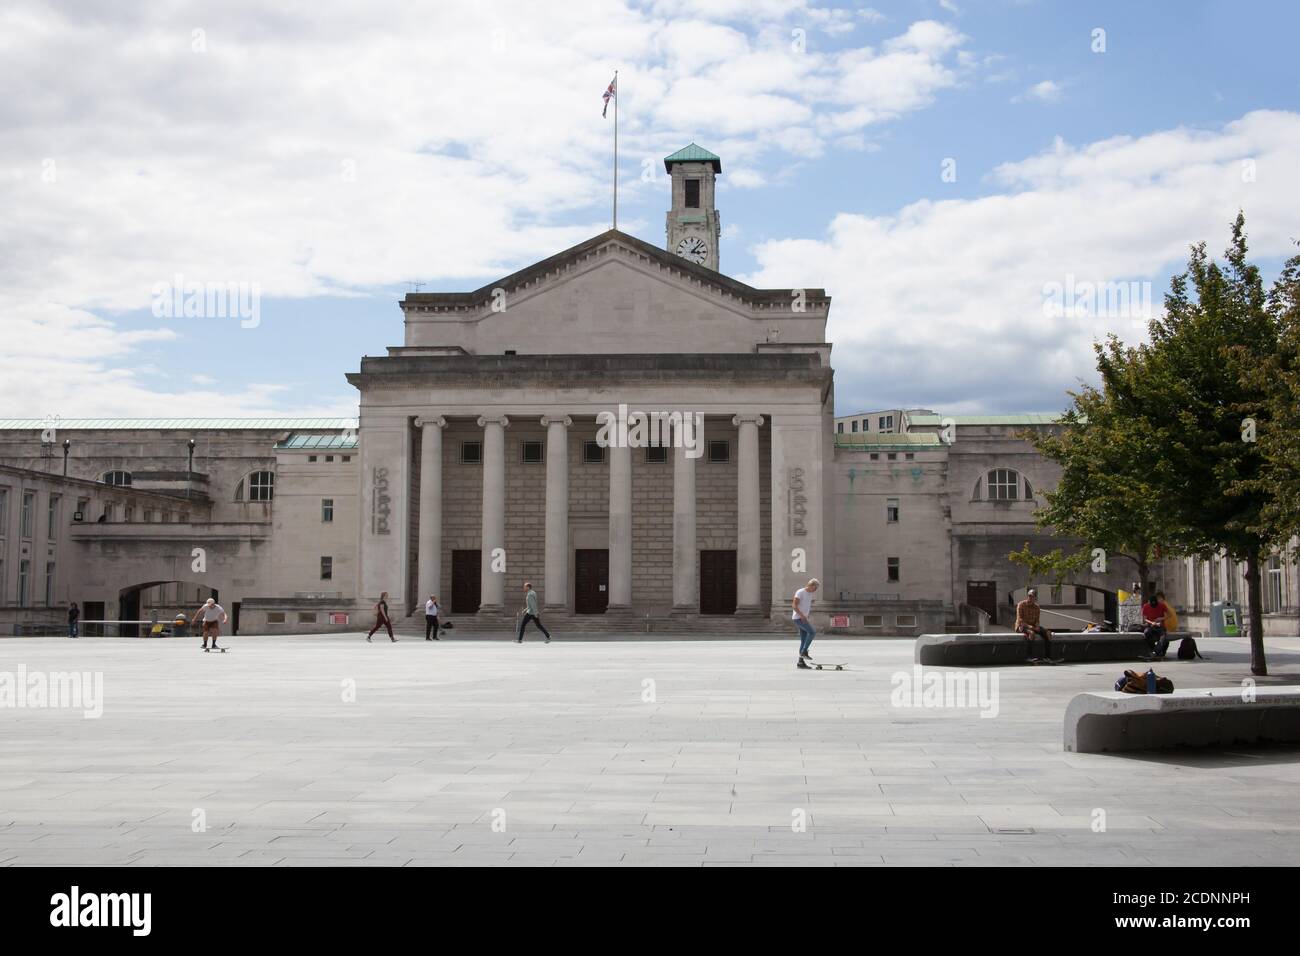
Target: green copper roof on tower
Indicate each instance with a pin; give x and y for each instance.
(693, 154)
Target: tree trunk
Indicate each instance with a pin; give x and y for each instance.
(1255, 594)
(1144, 576)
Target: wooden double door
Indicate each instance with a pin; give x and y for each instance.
(717, 582)
(466, 581)
(590, 580)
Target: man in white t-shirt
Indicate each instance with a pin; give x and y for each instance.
(211, 615)
(802, 607)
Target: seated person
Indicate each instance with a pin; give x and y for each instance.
(1154, 613)
(1028, 614)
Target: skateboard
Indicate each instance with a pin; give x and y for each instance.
(208, 650)
(825, 667)
(1046, 660)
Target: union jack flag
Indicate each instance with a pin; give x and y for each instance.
(610, 93)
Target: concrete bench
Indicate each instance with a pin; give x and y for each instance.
(972, 650)
(1199, 717)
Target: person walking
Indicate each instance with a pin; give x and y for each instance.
(431, 610)
(802, 607)
(530, 614)
(213, 615)
(382, 619)
(74, 615)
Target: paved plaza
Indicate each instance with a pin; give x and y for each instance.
(327, 750)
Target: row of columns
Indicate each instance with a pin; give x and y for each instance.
(556, 586)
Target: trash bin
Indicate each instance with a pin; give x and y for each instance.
(1225, 619)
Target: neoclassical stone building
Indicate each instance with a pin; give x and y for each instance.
(652, 444)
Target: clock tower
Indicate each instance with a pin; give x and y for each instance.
(694, 228)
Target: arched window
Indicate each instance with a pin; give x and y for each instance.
(117, 478)
(1003, 484)
(259, 486)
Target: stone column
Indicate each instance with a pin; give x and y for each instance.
(686, 592)
(556, 588)
(494, 511)
(430, 564)
(620, 527)
(749, 525)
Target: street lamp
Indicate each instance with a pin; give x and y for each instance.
(66, 445)
(191, 467)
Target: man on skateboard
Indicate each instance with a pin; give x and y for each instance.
(213, 615)
(530, 614)
(1028, 614)
(802, 607)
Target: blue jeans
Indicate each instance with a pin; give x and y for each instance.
(72, 629)
(806, 635)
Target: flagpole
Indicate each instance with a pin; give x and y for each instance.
(616, 94)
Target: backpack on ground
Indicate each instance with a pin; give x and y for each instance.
(1134, 683)
(1187, 650)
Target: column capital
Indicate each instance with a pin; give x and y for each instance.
(565, 420)
(485, 420)
(437, 421)
(747, 418)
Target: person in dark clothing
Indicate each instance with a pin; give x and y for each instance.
(381, 618)
(431, 610)
(530, 614)
(74, 615)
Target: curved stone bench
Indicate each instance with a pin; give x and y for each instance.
(972, 650)
(1199, 717)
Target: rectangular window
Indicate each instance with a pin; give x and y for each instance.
(28, 514)
(1214, 580)
(274, 617)
(311, 457)
(1004, 485)
(873, 620)
(166, 517)
(1232, 580)
(327, 509)
(306, 617)
(110, 512)
(329, 457)
(854, 426)
(530, 452)
(148, 514)
(886, 424)
(128, 513)
(909, 456)
(891, 568)
(52, 519)
(326, 568)
(49, 584)
(4, 511)
(1080, 595)
(892, 456)
(471, 452)
(24, 574)
(692, 194)
(905, 620)
(720, 451)
(1273, 601)
(82, 505)
(891, 510)
(875, 456)
(347, 458)
(839, 428)
(656, 454)
(593, 453)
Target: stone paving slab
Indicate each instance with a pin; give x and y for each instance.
(323, 750)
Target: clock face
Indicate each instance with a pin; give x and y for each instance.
(693, 249)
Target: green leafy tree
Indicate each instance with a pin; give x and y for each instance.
(1187, 391)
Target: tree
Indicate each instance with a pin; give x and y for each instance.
(1188, 390)
(1104, 498)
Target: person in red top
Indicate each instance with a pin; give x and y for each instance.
(1154, 611)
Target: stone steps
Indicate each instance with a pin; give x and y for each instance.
(568, 623)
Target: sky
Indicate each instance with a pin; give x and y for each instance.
(960, 177)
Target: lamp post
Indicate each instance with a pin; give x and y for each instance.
(191, 465)
(66, 446)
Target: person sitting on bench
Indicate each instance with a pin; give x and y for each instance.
(1155, 612)
(1028, 614)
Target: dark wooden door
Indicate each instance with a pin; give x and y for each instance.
(983, 595)
(717, 582)
(92, 611)
(466, 581)
(591, 581)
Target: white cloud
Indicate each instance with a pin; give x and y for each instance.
(943, 302)
(332, 148)
(1048, 91)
